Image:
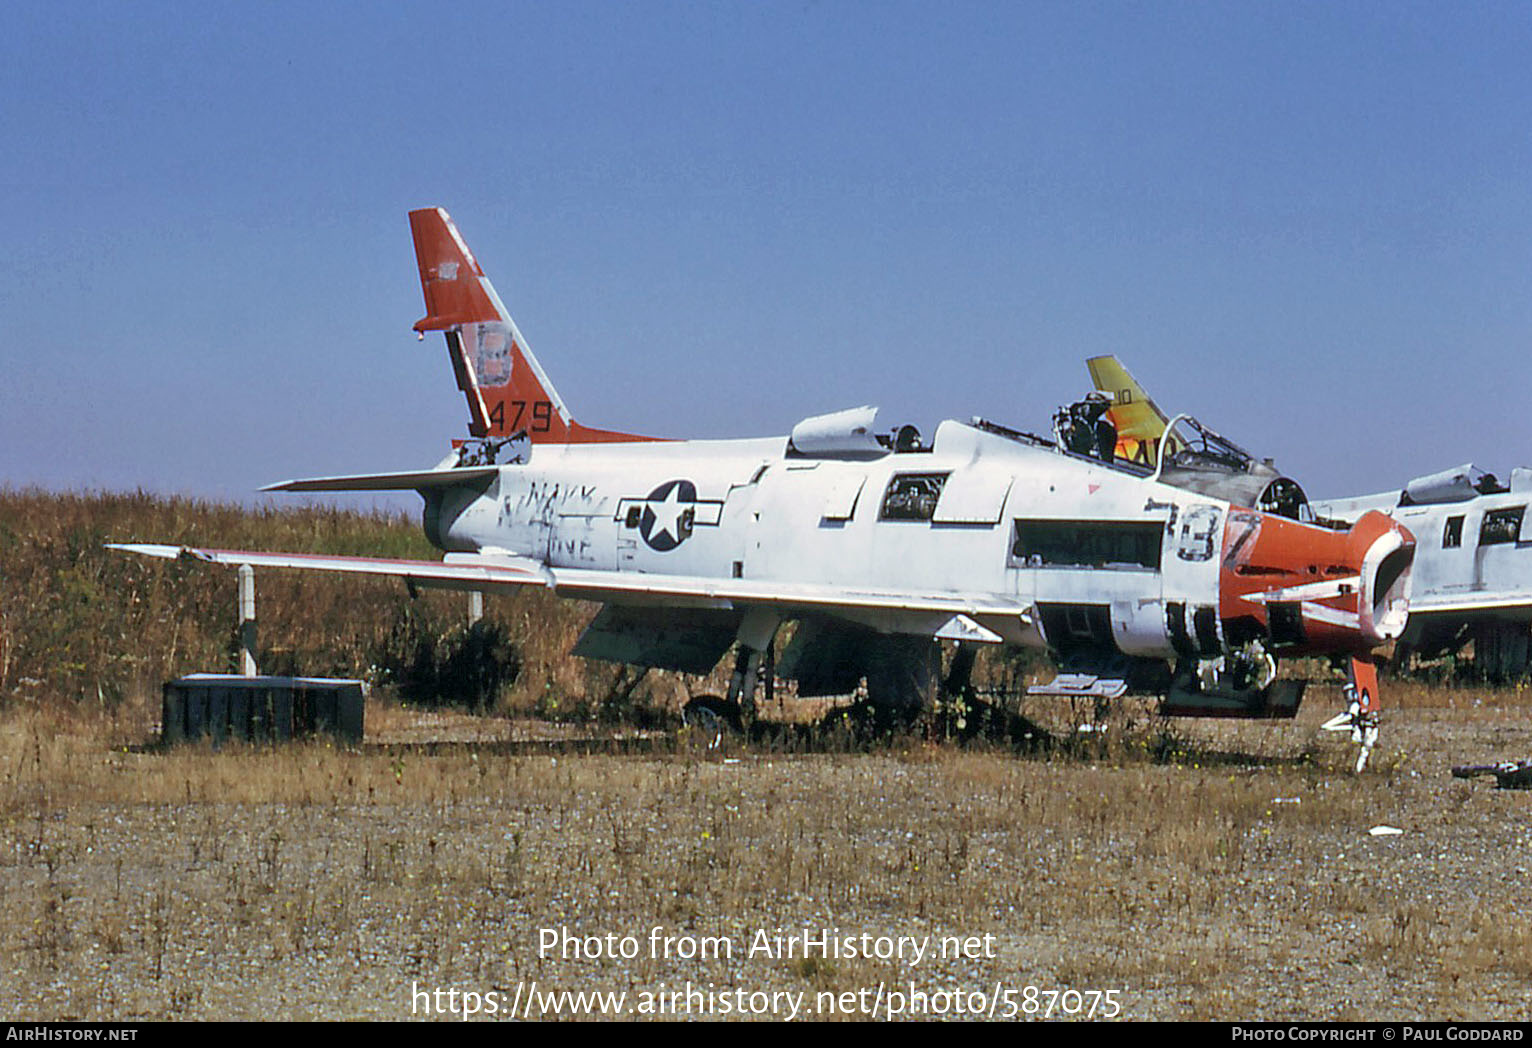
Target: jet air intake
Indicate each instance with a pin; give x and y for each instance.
(1307, 590)
(1383, 606)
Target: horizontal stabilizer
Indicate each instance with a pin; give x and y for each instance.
(409, 480)
(683, 640)
(1277, 701)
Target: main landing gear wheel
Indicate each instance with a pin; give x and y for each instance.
(711, 718)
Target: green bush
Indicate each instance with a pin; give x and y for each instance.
(465, 666)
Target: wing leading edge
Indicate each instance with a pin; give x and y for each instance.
(457, 572)
(950, 615)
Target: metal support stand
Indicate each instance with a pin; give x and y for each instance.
(247, 620)
(475, 606)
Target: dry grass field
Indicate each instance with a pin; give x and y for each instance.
(1228, 875)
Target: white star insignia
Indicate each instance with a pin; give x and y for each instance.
(667, 515)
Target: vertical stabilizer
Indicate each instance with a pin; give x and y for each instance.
(507, 390)
(1140, 422)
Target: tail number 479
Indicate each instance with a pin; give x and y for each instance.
(542, 416)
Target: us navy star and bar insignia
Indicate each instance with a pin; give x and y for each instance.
(666, 517)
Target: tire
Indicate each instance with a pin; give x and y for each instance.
(712, 718)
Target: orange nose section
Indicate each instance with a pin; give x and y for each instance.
(1307, 590)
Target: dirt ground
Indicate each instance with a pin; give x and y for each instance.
(454, 864)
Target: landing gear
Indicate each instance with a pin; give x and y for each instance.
(748, 667)
(1241, 683)
(711, 718)
(1247, 668)
(1363, 710)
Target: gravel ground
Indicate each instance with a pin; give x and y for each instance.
(1238, 880)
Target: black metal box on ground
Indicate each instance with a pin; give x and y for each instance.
(221, 706)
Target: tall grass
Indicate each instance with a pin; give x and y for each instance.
(83, 624)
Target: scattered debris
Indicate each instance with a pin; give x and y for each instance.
(1385, 831)
(1509, 775)
(1081, 684)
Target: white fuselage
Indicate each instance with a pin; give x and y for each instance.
(977, 515)
(1473, 557)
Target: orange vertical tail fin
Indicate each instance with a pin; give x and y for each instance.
(507, 390)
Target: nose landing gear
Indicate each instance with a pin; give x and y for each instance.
(1363, 710)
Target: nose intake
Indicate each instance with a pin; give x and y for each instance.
(1303, 589)
(1383, 605)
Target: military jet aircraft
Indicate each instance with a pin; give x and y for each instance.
(1472, 576)
(878, 545)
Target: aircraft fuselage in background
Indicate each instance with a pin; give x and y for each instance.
(1473, 568)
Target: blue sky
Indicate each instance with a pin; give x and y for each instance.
(1308, 223)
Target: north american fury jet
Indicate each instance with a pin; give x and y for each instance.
(876, 545)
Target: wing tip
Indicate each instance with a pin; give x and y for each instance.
(147, 549)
